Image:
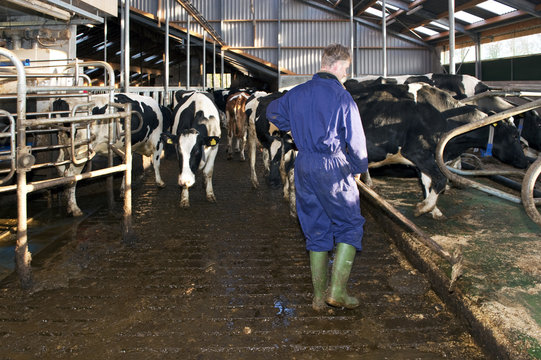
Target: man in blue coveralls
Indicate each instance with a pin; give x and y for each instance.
(326, 126)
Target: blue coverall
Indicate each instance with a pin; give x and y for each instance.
(326, 127)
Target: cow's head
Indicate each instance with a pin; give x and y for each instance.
(507, 147)
(190, 148)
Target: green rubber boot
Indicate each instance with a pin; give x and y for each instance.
(318, 267)
(343, 261)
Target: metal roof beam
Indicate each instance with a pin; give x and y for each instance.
(76, 10)
(427, 15)
(364, 22)
(190, 9)
(43, 8)
(523, 5)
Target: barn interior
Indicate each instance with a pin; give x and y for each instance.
(242, 40)
(158, 47)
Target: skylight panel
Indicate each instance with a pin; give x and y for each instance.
(467, 17)
(374, 12)
(495, 7)
(388, 6)
(441, 26)
(426, 31)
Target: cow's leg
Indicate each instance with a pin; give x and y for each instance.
(68, 170)
(156, 158)
(266, 161)
(367, 179)
(69, 191)
(242, 147)
(185, 197)
(428, 205)
(208, 170)
(292, 197)
(230, 125)
(252, 151)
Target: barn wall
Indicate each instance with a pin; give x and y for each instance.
(305, 30)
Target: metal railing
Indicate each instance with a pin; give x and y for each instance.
(22, 159)
(528, 181)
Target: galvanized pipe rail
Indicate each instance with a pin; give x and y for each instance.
(468, 182)
(24, 160)
(11, 155)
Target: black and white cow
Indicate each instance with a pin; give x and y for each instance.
(403, 125)
(146, 141)
(464, 86)
(263, 134)
(195, 134)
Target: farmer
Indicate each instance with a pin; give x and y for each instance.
(327, 129)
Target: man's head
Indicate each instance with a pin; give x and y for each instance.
(336, 60)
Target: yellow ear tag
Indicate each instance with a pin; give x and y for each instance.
(212, 142)
(495, 124)
(169, 141)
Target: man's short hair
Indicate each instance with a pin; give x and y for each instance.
(333, 53)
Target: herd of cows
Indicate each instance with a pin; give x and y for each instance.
(403, 119)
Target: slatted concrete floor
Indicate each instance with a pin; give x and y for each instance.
(218, 281)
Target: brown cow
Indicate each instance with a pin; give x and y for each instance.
(237, 125)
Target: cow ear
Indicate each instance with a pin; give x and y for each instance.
(168, 138)
(212, 140)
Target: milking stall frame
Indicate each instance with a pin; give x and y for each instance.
(22, 160)
(530, 176)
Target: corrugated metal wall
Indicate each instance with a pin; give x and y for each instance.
(305, 30)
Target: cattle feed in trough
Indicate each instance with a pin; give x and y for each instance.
(404, 124)
(263, 134)
(195, 135)
(146, 141)
(237, 125)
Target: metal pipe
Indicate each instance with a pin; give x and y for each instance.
(452, 37)
(528, 187)
(166, 100)
(214, 66)
(127, 46)
(351, 41)
(384, 31)
(44, 184)
(204, 59)
(279, 49)
(12, 136)
(188, 53)
(22, 255)
(122, 40)
(105, 48)
(478, 64)
(517, 93)
(222, 82)
(472, 126)
(127, 215)
(81, 118)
